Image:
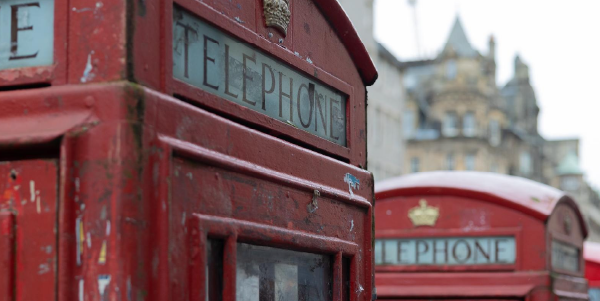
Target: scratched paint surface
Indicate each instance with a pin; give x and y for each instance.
(213, 191)
(29, 191)
(26, 33)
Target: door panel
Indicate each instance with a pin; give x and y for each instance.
(28, 203)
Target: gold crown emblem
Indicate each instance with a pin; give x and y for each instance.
(424, 215)
(277, 14)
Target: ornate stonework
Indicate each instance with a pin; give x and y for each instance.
(277, 14)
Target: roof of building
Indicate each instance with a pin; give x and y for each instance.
(530, 197)
(388, 55)
(459, 42)
(569, 165)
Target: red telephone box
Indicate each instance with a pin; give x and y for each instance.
(472, 235)
(591, 254)
(183, 150)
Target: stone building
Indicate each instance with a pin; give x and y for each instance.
(457, 118)
(385, 99)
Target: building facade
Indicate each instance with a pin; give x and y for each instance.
(385, 99)
(457, 118)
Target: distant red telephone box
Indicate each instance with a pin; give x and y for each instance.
(591, 254)
(183, 150)
(470, 236)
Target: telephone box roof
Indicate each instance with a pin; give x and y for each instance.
(333, 11)
(591, 251)
(527, 196)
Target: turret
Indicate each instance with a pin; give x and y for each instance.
(521, 71)
(491, 61)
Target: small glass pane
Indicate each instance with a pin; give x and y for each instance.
(214, 270)
(270, 274)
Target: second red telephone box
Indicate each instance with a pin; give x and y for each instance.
(470, 235)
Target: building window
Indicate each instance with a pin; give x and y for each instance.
(449, 126)
(414, 165)
(450, 162)
(470, 161)
(408, 124)
(494, 132)
(525, 166)
(451, 69)
(569, 183)
(469, 124)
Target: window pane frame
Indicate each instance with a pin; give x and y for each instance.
(202, 227)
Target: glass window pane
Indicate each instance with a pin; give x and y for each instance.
(271, 274)
(214, 270)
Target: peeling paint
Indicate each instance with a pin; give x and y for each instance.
(360, 289)
(129, 288)
(89, 240)
(314, 205)
(351, 225)
(87, 72)
(81, 289)
(107, 228)
(80, 238)
(102, 256)
(309, 60)
(103, 282)
(43, 268)
(353, 183)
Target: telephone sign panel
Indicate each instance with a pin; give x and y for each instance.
(26, 33)
(446, 251)
(211, 60)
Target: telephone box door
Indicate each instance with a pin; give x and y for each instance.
(28, 218)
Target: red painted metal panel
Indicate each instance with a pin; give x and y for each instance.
(121, 228)
(7, 256)
(30, 191)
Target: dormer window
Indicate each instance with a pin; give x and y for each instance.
(451, 69)
(525, 164)
(469, 124)
(450, 127)
(494, 133)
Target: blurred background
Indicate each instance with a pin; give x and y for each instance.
(506, 86)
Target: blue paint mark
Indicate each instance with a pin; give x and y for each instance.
(352, 181)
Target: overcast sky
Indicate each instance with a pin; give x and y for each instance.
(560, 40)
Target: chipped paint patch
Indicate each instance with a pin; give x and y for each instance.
(360, 289)
(107, 228)
(87, 72)
(89, 240)
(80, 238)
(81, 291)
(102, 256)
(129, 288)
(103, 282)
(353, 183)
(314, 205)
(309, 60)
(43, 268)
(351, 225)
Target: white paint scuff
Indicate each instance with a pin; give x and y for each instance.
(103, 282)
(87, 72)
(81, 291)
